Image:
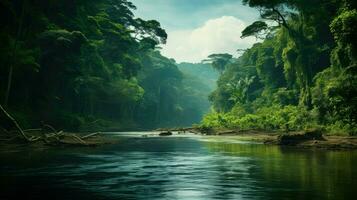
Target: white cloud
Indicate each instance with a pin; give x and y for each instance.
(220, 35)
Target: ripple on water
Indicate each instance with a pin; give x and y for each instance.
(186, 168)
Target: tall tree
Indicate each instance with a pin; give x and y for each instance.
(219, 61)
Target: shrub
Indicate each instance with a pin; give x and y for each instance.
(267, 118)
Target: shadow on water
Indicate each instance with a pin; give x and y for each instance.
(178, 168)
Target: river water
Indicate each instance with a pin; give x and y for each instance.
(178, 167)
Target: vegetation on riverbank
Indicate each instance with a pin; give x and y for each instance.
(91, 66)
(302, 75)
(312, 138)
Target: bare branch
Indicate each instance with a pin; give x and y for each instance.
(15, 123)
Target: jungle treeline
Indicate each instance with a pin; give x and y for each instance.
(92, 65)
(302, 74)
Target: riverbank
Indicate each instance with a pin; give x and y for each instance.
(300, 139)
(39, 139)
(214, 167)
(307, 139)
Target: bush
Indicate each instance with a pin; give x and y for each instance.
(341, 128)
(267, 118)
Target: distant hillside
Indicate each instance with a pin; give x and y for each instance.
(200, 80)
(203, 72)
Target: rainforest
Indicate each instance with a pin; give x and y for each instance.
(119, 75)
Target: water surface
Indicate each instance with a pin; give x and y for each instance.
(182, 167)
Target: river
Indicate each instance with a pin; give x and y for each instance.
(178, 167)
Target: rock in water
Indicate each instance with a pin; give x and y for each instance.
(166, 133)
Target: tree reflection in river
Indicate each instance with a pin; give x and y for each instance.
(178, 168)
(294, 173)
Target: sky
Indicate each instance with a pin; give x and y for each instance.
(198, 28)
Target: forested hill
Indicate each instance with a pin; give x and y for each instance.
(302, 75)
(90, 65)
(203, 72)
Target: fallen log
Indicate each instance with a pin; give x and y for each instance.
(52, 137)
(78, 138)
(90, 135)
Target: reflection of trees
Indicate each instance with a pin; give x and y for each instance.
(290, 173)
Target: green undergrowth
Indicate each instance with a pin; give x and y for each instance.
(274, 118)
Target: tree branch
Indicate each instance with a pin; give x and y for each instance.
(15, 123)
(284, 23)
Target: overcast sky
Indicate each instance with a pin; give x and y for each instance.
(198, 28)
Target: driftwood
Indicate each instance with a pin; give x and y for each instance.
(54, 137)
(15, 124)
(90, 135)
(50, 127)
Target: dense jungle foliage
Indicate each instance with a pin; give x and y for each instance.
(303, 73)
(91, 65)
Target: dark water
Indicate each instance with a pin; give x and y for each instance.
(189, 167)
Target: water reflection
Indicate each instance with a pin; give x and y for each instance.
(297, 173)
(178, 168)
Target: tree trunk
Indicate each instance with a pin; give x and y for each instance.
(8, 88)
(13, 55)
